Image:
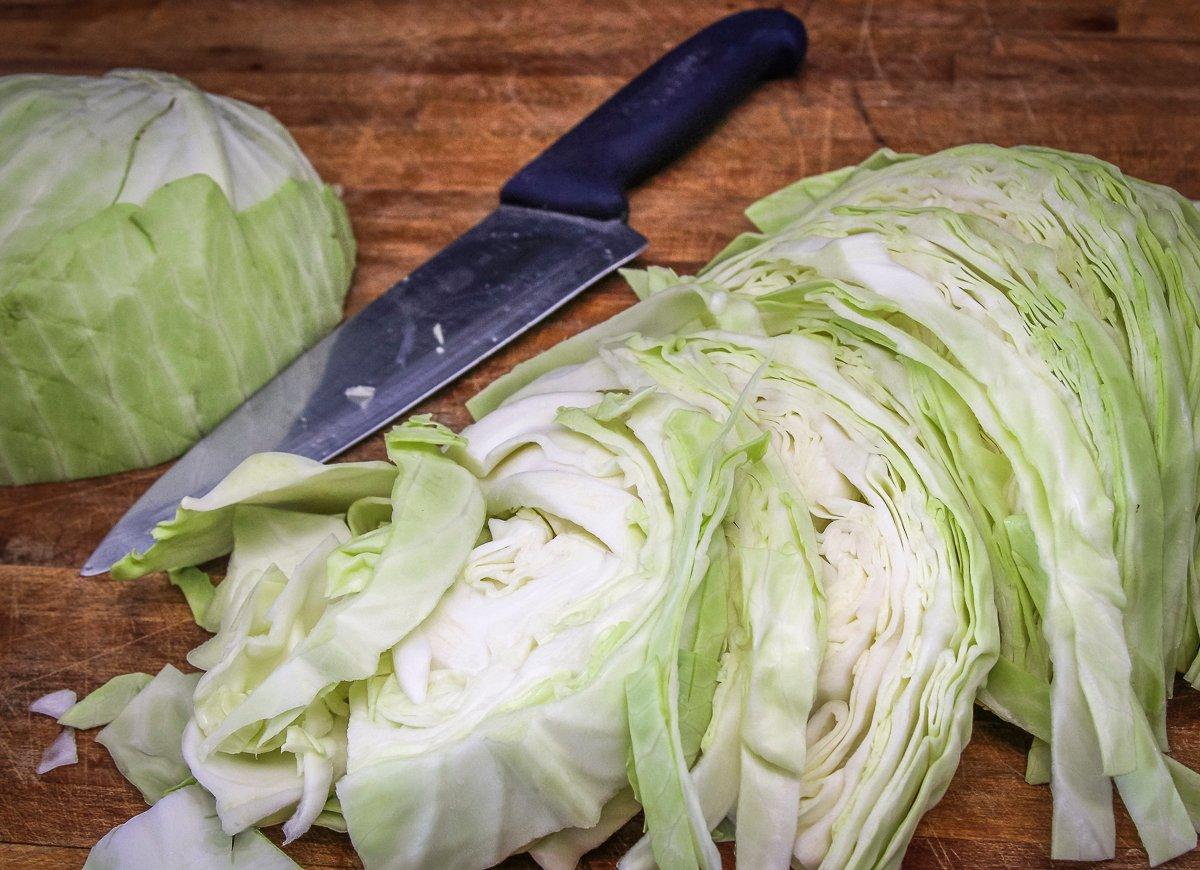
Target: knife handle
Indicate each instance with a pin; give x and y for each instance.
(659, 115)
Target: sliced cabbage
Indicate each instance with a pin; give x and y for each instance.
(910, 618)
(105, 703)
(744, 557)
(182, 831)
(204, 528)
(54, 704)
(63, 751)
(1048, 293)
(145, 739)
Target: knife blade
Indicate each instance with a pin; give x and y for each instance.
(559, 228)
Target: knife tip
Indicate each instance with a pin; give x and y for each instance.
(102, 558)
(91, 568)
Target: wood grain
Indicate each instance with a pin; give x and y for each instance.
(421, 110)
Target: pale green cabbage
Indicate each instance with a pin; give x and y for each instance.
(1055, 301)
(105, 703)
(163, 253)
(182, 831)
(744, 557)
(145, 737)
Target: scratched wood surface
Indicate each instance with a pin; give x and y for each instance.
(420, 111)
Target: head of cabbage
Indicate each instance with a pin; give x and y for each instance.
(745, 557)
(163, 253)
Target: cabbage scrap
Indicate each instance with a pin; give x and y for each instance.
(182, 831)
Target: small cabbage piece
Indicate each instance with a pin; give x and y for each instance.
(60, 753)
(54, 704)
(104, 704)
(197, 590)
(182, 831)
(163, 253)
(145, 739)
(205, 528)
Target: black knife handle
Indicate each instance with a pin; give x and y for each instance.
(659, 115)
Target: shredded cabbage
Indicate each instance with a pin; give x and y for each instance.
(744, 557)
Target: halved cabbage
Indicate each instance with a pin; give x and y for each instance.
(163, 253)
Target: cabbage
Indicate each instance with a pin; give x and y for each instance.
(1055, 299)
(182, 831)
(744, 557)
(54, 704)
(911, 623)
(105, 703)
(63, 750)
(163, 253)
(145, 737)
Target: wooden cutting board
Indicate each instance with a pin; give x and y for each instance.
(420, 111)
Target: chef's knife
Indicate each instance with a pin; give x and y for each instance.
(559, 228)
